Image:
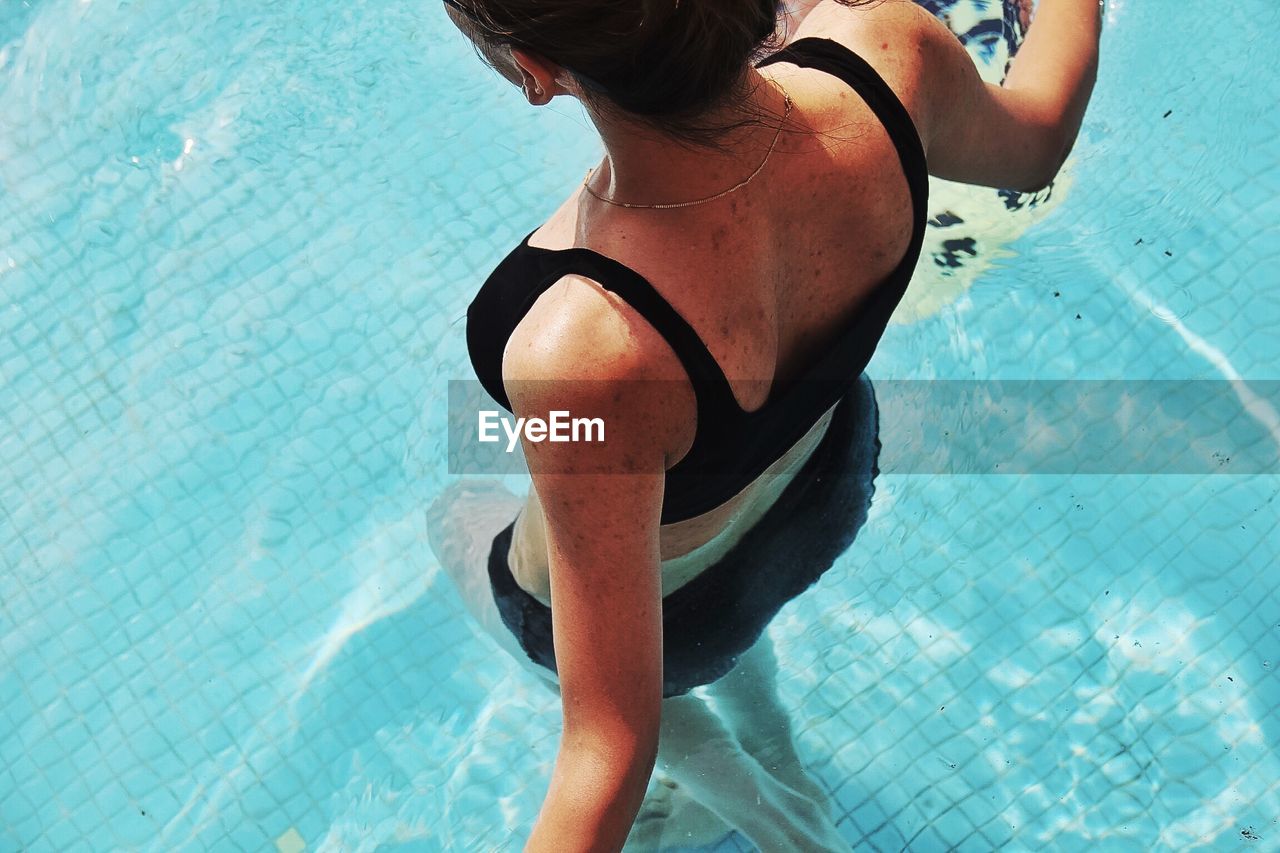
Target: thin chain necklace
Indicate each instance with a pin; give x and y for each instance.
(587, 186)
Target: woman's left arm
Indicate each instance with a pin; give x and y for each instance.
(607, 626)
(602, 502)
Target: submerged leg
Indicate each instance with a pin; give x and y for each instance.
(670, 817)
(747, 698)
(699, 753)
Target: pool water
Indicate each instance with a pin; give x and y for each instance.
(236, 243)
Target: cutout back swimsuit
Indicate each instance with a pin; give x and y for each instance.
(719, 614)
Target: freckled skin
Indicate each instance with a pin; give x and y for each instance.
(833, 189)
(787, 259)
(719, 236)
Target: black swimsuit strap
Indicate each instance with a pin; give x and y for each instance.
(839, 61)
(716, 402)
(709, 382)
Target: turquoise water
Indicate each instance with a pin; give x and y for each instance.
(236, 240)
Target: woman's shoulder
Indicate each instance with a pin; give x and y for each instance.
(894, 37)
(582, 346)
(579, 330)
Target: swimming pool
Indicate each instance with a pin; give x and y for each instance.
(236, 240)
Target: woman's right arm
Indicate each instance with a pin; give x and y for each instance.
(1010, 136)
(1015, 135)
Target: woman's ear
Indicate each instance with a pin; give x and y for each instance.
(539, 78)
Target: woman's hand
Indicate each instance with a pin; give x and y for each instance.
(602, 502)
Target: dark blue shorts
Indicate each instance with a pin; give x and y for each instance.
(714, 618)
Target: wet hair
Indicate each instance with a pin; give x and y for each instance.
(668, 63)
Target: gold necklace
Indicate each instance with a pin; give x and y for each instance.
(586, 181)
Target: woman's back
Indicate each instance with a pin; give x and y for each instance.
(714, 305)
(770, 278)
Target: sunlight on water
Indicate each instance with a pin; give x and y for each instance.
(236, 244)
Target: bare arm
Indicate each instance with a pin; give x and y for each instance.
(1018, 134)
(602, 503)
(1014, 135)
(607, 627)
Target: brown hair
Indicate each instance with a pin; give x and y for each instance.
(667, 62)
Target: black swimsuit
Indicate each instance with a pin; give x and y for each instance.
(703, 629)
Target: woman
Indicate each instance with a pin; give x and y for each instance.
(712, 291)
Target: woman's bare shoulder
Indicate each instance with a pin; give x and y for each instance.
(889, 34)
(581, 344)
